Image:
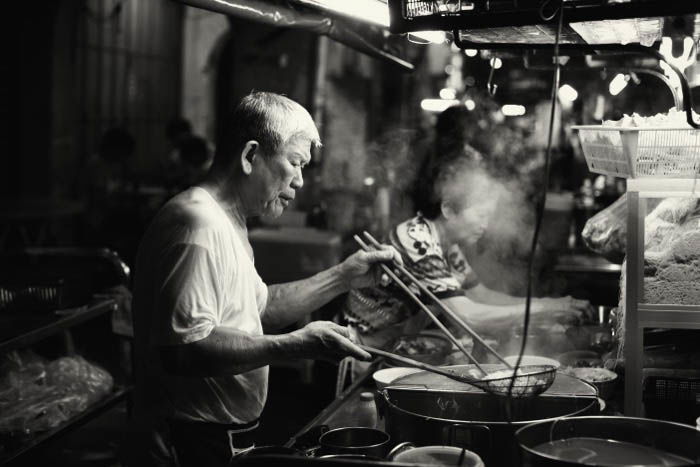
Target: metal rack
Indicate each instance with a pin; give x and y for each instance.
(640, 315)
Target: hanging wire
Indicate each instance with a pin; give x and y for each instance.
(540, 205)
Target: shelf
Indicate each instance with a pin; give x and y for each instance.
(668, 316)
(20, 330)
(664, 187)
(118, 395)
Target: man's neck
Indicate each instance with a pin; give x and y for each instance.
(229, 195)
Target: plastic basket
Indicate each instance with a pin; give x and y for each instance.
(640, 152)
(672, 398)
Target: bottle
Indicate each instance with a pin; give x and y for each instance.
(367, 411)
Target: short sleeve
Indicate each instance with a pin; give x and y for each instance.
(187, 301)
(261, 294)
(418, 242)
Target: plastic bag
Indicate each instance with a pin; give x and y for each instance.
(605, 233)
(36, 395)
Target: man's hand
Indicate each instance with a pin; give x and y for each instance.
(328, 340)
(361, 269)
(566, 309)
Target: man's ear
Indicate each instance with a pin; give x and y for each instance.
(447, 210)
(248, 155)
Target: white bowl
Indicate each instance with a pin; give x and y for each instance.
(383, 378)
(532, 360)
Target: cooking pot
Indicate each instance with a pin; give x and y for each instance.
(355, 440)
(467, 417)
(654, 441)
(409, 453)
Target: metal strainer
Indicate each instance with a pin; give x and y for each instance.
(530, 380)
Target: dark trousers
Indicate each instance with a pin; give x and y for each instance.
(200, 444)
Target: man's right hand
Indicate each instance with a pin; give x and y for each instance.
(328, 340)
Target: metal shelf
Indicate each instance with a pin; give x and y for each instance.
(638, 315)
(18, 331)
(118, 395)
(668, 316)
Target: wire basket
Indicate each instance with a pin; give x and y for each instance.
(38, 297)
(640, 152)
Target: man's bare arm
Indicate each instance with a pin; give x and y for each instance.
(228, 351)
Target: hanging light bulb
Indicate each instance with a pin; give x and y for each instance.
(618, 83)
(567, 93)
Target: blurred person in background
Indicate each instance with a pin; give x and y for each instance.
(189, 157)
(455, 201)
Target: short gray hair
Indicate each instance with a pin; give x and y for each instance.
(268, 118)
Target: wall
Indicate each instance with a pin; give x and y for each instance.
(127, 72)
(204, 37)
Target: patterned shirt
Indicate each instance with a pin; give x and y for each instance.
(445, 272)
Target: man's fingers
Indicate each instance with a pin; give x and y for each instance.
(352, 350)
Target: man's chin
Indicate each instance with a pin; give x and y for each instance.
(273, 212)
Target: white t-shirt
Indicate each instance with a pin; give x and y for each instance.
(195, 271)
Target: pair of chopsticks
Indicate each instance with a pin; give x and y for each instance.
(445, 309)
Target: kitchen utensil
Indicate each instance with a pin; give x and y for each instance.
(422, 306)
(444, 308)
(409, 453)
(452, 414)
(355, 440)
(534, 380)
(628, 440)
(604, 380)
(523, 382)
(533, 360)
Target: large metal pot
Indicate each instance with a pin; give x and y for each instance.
(476, 420)
(673, 439)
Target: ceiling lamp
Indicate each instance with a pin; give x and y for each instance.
(567, 93)
(513, 110)
(437, 105)
(618, 83)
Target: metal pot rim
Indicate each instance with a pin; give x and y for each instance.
(355, 428)
(593, 400)
(591, 417)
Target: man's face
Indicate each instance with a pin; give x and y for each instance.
(281, 176)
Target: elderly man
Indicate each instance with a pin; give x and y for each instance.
(199, 305)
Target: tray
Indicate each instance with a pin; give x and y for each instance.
(641, 152)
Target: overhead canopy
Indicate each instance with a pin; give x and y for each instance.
(332, 18)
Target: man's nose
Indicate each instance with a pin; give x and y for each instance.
(297, 181)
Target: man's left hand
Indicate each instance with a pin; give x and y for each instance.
(361, 269)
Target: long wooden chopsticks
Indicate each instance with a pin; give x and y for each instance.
(438, 302)
(422, 306)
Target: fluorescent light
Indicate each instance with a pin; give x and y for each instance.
(567, 93)
(471, 52)
(470, 104)
(428, 37)
(372, 11)
(437, 105)
(448, 93)
(369, 181)
(513, 110)
(618, 83)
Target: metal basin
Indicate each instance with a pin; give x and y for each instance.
(478, 421)
(653, 442)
